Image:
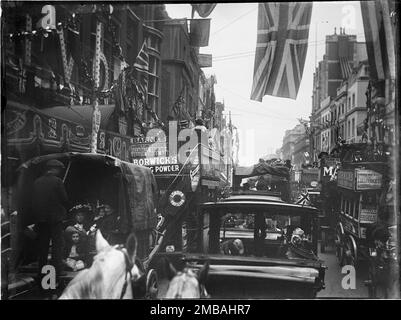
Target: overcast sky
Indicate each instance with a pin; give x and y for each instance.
(232, 43)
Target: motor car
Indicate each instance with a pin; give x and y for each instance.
(279, 239)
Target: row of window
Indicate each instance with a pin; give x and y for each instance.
(351, 206)
(348, 129)
(335, 115)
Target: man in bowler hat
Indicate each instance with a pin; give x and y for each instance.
(50, 202)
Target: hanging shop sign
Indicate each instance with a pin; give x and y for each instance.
(329, 167)
(368, 180)
(359, 179)
(345, 179)
(148, 147)
(205, 60)
(368, 215)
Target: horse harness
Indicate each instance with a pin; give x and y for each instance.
(202, 289)
(129, 264)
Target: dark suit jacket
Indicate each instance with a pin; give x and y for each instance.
(49, 199)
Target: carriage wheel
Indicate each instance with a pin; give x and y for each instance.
(349, 252)
(339, 243)
(152, 287)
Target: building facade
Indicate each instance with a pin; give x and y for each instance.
(289, 142)
(181, 72)
(330, 92)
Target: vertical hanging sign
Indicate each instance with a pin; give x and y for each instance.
(96, 117)
(67, 64)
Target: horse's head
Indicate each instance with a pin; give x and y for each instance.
(187, 284)
(110, 275)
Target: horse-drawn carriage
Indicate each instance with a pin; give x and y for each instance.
(92, 179)
(277, 248)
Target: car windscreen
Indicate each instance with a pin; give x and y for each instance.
(250, 232)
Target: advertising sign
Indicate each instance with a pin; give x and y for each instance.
(328, 169)
(368, 215)
(148, 147)
(368, 180)
(160, 165)
(345, 179)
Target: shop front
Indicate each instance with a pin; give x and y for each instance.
(183, 184)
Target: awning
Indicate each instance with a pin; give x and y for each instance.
(80, 114)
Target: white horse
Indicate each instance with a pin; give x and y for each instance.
(187, 284)
(110, 275)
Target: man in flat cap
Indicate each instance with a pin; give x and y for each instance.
(49, 206)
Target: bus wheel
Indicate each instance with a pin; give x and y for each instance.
(339, 244)
(349, 252)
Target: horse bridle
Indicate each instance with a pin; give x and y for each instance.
(129, 264)
(202, 291)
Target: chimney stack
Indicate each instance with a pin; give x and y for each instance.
(335, 30)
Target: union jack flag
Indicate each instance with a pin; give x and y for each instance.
(141, 65)
(379, 37)
(142, 60)
(282, 43)
(304, 199)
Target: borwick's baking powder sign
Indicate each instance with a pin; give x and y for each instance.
(160, 165)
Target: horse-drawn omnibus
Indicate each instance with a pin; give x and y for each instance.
(92, 179)
(359, 205)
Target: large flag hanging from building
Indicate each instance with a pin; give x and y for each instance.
(282, 43)
(379, 37)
